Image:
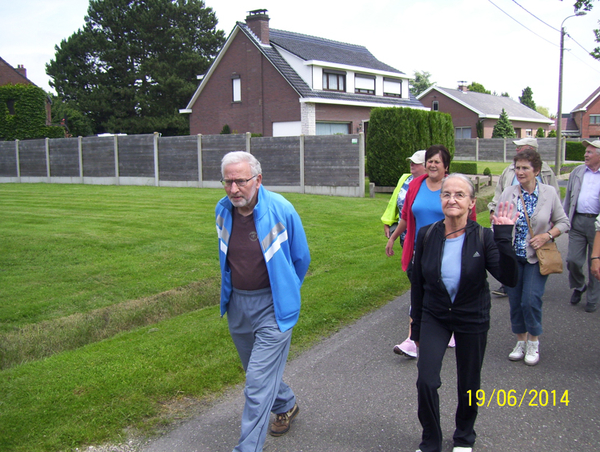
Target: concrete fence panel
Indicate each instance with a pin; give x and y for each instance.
(32, 160)
(178, 159)
(64, 157)
(8, 159)
(279, 159)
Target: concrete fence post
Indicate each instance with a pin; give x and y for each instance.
(248, 145)
(47, 143)
(18, 160)
(199, 143)
(301, 142)
(156, 169)
(361, 164)
(80, 155)
(477, 149)
(116, 151)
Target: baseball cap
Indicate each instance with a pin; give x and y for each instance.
(527, 142)
(418, 158)
(595, 143)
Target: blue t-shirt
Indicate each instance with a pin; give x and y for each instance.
(451, 264)
(427, 207)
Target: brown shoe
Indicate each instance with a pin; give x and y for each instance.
(283, 421)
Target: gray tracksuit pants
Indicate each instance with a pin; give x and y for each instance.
(263, 349)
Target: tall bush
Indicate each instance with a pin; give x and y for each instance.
(575, 151)
(396, 133)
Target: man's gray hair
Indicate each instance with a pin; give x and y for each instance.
(463, 178)
(240, 157)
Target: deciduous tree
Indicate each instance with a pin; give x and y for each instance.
(134, 63)
(478, 88)
(420, 83)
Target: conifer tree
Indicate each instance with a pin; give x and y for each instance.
(134, 63)
(503, 128)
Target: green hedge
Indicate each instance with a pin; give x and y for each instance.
(463, 167)
(575, 151)
(394, 134)
(29, 118)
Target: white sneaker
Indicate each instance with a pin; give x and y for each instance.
(533, 353)
(462, 449)
(518, 352)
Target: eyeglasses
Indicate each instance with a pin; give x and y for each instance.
(239, 182)
(457, 196)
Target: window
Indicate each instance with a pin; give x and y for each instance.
(333, 128)
(236, 83)
(334, 81)
(364, 84)
(435, 106)
(392, 88)
(594, 119)
(462, 132)
(528, 132)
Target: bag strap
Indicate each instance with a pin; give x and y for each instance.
(525, 212)
(429, 232)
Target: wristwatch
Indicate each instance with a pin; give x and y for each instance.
(551, 238)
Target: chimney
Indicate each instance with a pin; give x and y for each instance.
(258, 22)
(21, 70)
(462, 86)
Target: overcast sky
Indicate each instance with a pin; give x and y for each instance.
(471, 40)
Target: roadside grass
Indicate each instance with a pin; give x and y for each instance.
(129, 271)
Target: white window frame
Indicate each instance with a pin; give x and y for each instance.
(236, 88)
(364, 84)
(392, 87)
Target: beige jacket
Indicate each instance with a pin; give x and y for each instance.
(548, 212)
(508, 176)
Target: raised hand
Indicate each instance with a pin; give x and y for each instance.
(504, 214)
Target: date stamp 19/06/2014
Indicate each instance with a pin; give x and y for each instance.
(528, 397)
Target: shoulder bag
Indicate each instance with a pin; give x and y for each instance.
(548, 255)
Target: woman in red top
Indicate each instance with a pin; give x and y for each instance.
(422, 206)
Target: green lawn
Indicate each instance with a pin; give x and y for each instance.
(109, 294)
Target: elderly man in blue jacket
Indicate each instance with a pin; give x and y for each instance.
(264, 257)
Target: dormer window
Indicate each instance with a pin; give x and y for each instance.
(364, 84)
(392, 87)
(334, 80)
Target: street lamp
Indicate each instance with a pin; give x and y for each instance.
(560, 76)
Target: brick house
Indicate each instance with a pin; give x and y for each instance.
(279, 83)
(11, 76)
(585, 118)
(468, 108)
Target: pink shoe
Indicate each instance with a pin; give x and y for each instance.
(407, 348)
(452, 343)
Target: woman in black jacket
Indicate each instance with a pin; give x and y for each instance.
(450, 294)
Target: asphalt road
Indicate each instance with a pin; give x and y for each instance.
(356, 395)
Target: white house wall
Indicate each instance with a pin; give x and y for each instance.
(297, 64)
